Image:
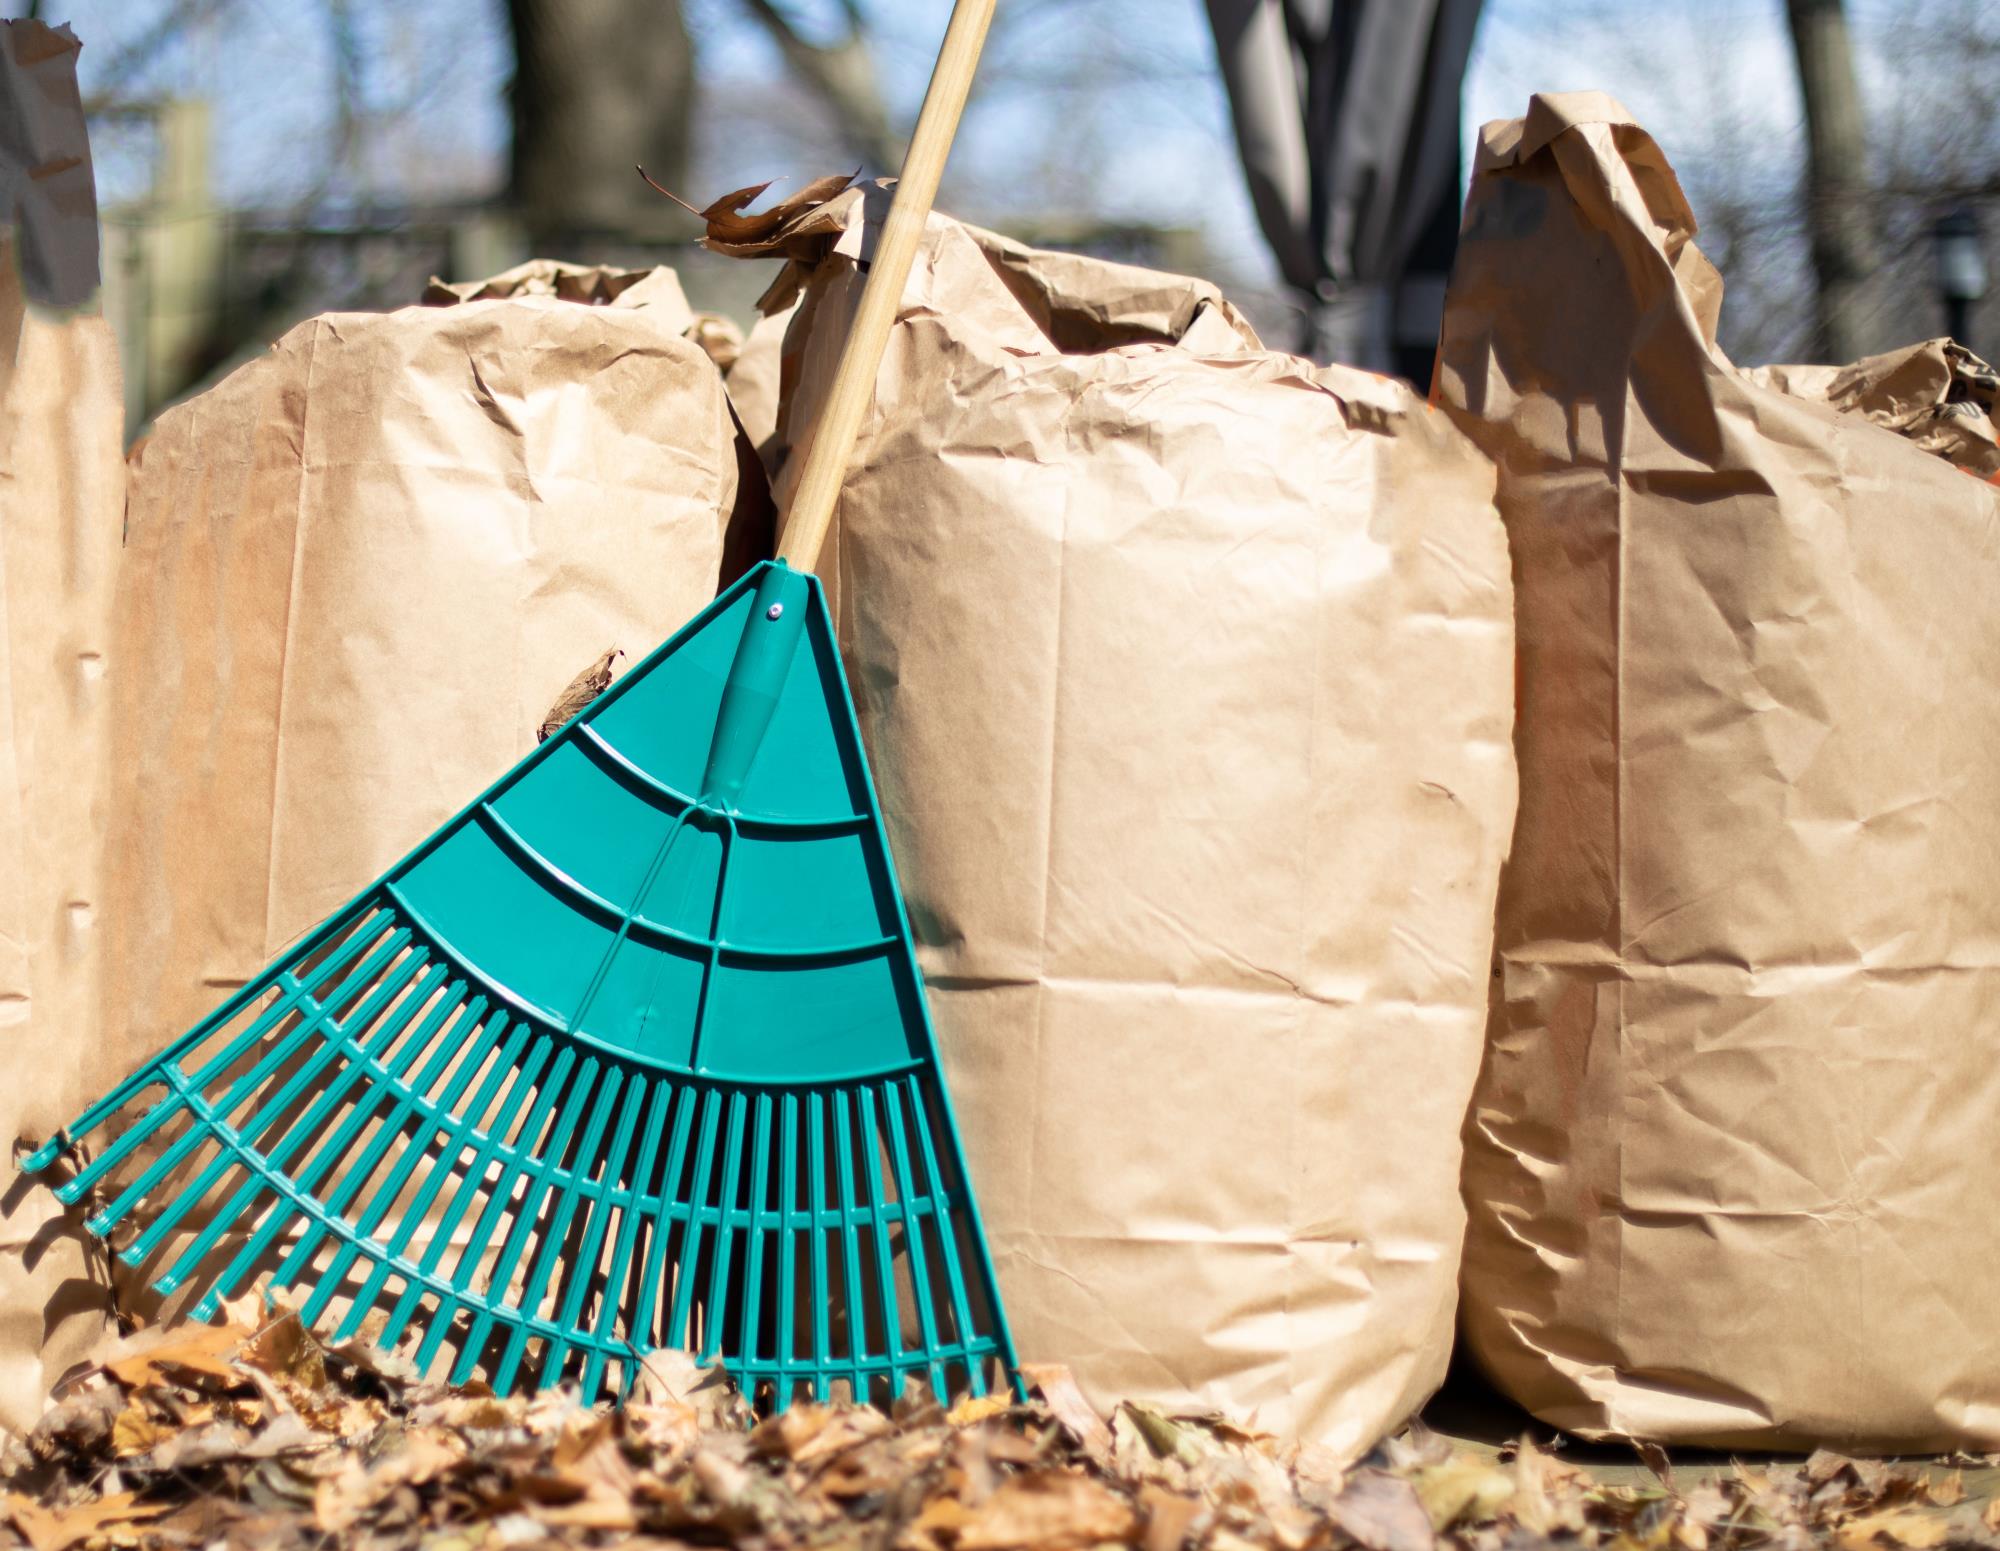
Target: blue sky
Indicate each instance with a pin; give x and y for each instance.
(441, 67)
(1105, 105)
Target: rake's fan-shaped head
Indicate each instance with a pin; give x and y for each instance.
(631, 1054)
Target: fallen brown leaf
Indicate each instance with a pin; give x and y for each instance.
(53, 1529)
(1463, 1488)
(285, 1349)
(1169, 1517)
(1048, 1509)
(977, 1409)
(152, 1354)
(341, 1501)
(238, 1438)
(1893, 1527)
(1057, 1386)
(1380, 1512)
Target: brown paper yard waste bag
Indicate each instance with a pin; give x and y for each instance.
(1186, 673)
(358, 572)
(1731, 1162)
(61, 493)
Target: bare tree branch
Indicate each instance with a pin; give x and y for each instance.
(842, 74)
(349, 111)
(111, 81)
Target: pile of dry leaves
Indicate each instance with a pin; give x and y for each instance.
(233, 1436)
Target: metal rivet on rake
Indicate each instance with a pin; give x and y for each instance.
(775, 611)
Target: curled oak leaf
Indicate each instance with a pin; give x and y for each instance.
(727, 224)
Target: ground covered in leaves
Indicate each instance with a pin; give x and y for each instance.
(255, 1434)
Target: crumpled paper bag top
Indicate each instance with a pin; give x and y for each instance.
(599, 285)
(1079, 304)
(1939, 394)
(591, 285)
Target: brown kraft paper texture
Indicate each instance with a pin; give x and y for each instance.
(1186, 673)
(1730, 1161)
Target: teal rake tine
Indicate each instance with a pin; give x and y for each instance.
(660, 1230)
(150, 1076)
(555, 1235)
(617, 1059)
(243, 1136)
(208, 1118)
(336, 1148)
(850, 1251)
(615, 1284)
(947, 1232)
(690, 1253)
(450, 1137)
(718, 1255)
(788, 1208)
(603, 1204)
(572, 1082)
(753, 1255)
(246, 1133)
(330, 1149)
(381, 1035)
(389, 1187)
(821, 1292)
(885, 1266)
(471, 1176)
(913, 1236)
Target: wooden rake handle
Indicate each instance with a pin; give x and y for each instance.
(854, 379)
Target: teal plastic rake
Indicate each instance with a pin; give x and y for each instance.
(632, 1054)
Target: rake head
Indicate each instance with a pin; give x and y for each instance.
(632, 1054)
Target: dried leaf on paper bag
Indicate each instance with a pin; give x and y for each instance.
(729, 229)
(578, 693)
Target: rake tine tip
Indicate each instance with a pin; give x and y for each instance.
(45, 1154)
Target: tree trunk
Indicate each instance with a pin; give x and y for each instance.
(599, 85)
(1838, 210)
